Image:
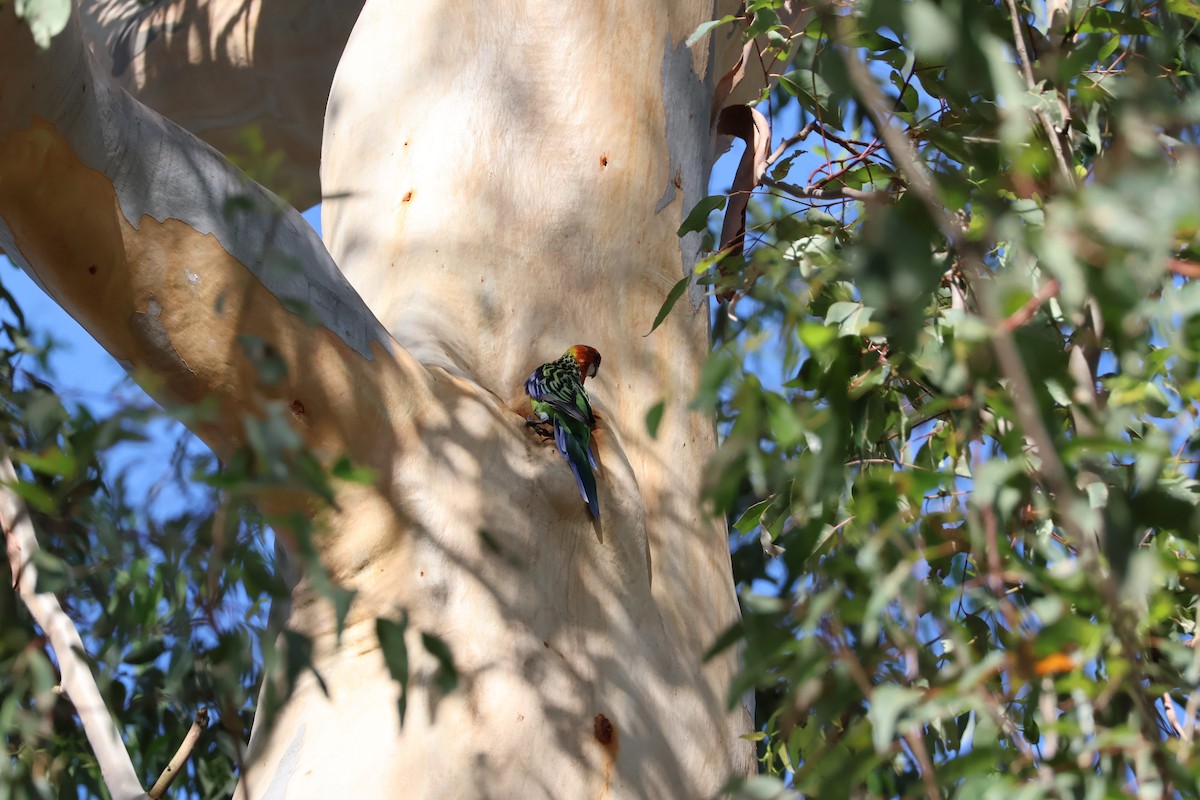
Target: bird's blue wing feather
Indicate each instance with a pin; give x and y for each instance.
(579, 456)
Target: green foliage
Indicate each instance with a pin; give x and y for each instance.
(46, 18)
(173, 603)
(697, 218)
(959, 405)
(173, 606)
(173, 599)
(672, 298)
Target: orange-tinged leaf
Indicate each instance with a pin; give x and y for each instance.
(1055, 662)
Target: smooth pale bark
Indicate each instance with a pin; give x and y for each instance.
(509, 181)
(160, 249)
(249, 78)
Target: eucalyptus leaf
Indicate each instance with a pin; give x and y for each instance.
(45, 18)
(888, 704)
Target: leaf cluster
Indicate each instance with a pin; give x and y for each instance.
(959, 402)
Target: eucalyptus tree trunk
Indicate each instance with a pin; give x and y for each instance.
(249, 78)
(502, 179)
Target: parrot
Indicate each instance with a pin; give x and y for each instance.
(557, 396)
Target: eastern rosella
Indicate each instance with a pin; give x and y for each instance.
(557, 395)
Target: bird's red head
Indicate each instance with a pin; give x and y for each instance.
(588, 359)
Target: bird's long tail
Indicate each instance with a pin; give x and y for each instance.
(578, 454)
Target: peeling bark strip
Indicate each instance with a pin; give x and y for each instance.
(749, 125)
(733, 115)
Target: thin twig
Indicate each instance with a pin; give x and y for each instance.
(175, 765)
(835, 193)
(916, 743)
(1052, 134)
(993, 577)
(1189, 715)
(863, 461)
(840, 525)
(1187, 269)
(849, 144)
(1111, 69)
(1025, 313)
(842, 649)
(1047, 703)
(1169, 708)
(1007, 725)
(789, 142)
(78, 684)
(847, 164)
(802, 134)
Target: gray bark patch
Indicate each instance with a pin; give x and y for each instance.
(687, 98)
(157, 349)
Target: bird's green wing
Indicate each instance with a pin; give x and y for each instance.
(559, 393)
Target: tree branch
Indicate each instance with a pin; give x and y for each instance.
(1172, 716)
(1186, 269)
(1055, 138)
(181, 755)
(1025, 313)
(815, 193)
(1189, 716)
(803, 133)
(173, 259)
(916, 743)
(78, 684)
